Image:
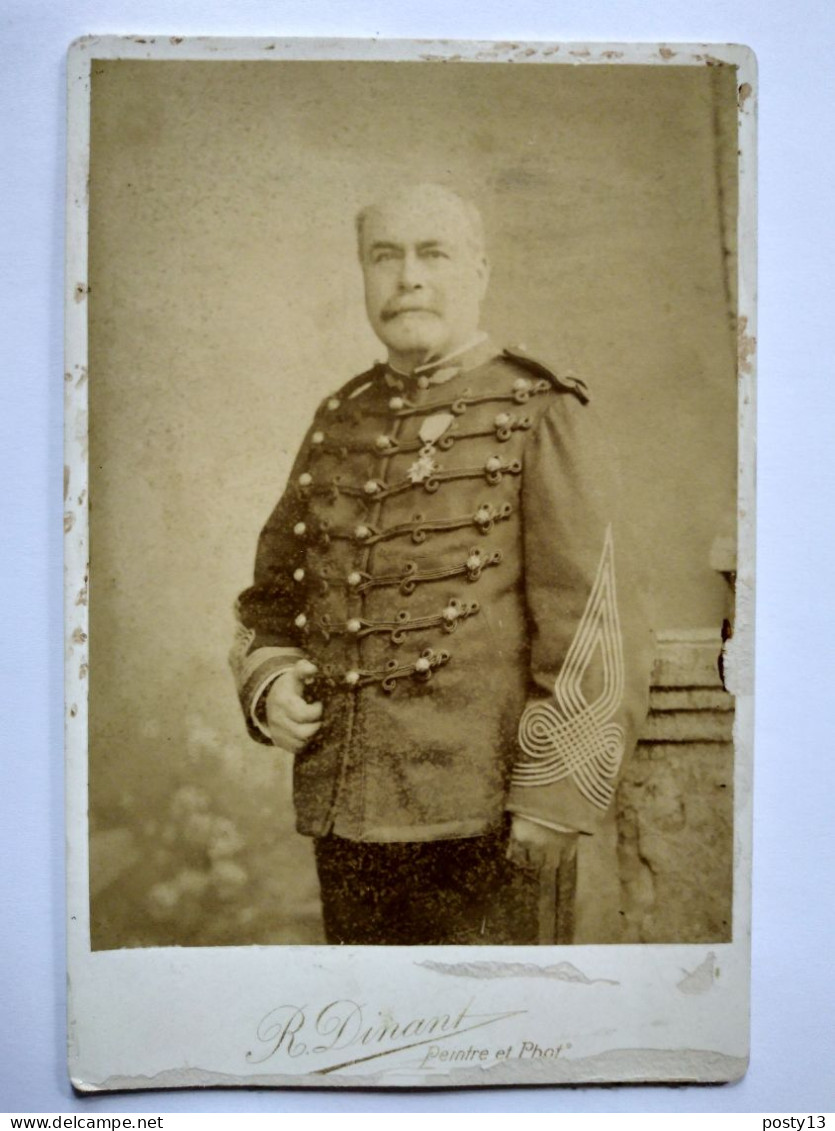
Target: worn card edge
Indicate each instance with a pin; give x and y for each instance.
(739, 650)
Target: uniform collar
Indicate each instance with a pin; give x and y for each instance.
(436, 372)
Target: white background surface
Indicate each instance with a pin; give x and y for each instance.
(792, 1045)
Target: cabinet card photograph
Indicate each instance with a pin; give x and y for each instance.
(409, 582)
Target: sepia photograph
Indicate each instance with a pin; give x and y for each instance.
(410, 393)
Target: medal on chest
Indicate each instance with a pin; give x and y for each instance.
(431, 430)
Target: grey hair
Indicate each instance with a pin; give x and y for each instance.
(473, 222)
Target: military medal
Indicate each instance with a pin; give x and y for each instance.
(424, 466)
(431, 430)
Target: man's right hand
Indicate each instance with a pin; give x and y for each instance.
(291, 720)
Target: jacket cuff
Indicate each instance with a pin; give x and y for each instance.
(257, 713)
(554, 826)
(254, 674)
(553, 806)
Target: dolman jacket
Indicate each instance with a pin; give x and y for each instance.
(450, 552)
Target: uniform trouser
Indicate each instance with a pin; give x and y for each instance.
(449, 892)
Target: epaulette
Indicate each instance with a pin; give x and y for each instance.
(564, 382)
(356, 384)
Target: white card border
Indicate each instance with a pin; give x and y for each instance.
(116, 997)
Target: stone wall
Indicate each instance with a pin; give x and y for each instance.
(675, 803)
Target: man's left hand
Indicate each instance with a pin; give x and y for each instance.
(533, 845)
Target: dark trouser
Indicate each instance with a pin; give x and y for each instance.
(425, 893)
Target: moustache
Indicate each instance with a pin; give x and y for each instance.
(390, 312)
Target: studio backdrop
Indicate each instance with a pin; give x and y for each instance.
(225, 301)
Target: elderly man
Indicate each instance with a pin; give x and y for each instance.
(435, 630)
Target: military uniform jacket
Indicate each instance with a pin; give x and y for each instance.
(446, 553)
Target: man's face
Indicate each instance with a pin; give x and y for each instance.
(424, 279)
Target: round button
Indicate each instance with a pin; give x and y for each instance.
(396, 403)
(305, 479)
(502, 420)
(298, 575)
(333, 404)
(354, 579)
(423, 382)
(451, 613)
(317, 438)
(371, 487)
(300, 621)
(474, 561)
(521, 385)
(353, 625)
(381, 443)
(421, 664)
(299, 529)
(361, 533)
(482, 514)
(493, 464)
(352, 677)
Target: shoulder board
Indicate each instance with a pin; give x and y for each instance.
(358, 383)
(562, 382)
